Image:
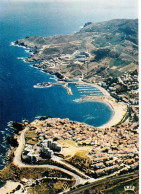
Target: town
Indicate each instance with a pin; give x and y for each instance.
(123, 87)
(53, 155)
(106, 151)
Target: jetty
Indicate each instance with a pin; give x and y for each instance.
(49, 84)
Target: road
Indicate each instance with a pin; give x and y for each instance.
(79, 180)
(89, 186)
(57, 159)
(18, 162)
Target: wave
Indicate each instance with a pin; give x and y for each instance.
(42, 70)
(83, 85)
(3, 132)
(54, 78)
(23, 59)
(76, 100)
(35, 86)
(29, 51)
(86, 88)
(96, 94)
(13, 44)
(35, 67)
(8, 132)
(90, 118)
(3, 146)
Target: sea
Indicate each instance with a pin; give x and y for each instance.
(19, 100)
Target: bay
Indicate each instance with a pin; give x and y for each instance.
(18, 99)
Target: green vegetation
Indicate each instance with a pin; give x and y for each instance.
(111, 43)
(80, 160)
(50, 51)
(114, 186)
(12, 172)
(49, 186)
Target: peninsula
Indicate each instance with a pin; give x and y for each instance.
(54, 155)
(103, 55)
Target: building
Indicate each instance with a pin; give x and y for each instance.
(103, 84)
(49, 146)
(32, 157)
(49, 143)
(47, 152)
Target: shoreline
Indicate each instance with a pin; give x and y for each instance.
(119, 109)
(11, 185)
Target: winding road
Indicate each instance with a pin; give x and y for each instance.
(18, 162)
(79, 180)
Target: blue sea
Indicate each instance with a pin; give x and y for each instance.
(18, 99)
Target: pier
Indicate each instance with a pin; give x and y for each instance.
(67, 88)
(49, 84)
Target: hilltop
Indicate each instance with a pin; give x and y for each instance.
(104, 48)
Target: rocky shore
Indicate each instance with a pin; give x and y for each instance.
(54, 154)
(95, 152)
(68, 56)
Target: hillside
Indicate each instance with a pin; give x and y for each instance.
(104, 48)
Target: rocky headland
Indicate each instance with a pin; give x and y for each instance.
(56, 155)
(98, 49)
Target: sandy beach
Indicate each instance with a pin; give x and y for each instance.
(119, 108)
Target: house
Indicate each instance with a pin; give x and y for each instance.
(99, 165)
(110, 162)
(115, 167)
(134, 166)
(100, 172)
(108, 170)
(103, 84)
(32, 157)
(47, 152)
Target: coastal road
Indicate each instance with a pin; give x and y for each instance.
(17, 161)
(79, 180)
